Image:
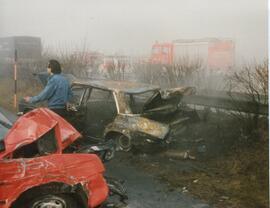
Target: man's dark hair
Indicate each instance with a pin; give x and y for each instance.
(55, 66)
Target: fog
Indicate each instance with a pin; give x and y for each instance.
(131, 27)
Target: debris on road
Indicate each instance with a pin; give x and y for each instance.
(179, 154)
(184, 190)
(196, 181)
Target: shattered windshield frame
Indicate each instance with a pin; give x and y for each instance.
(137, 101)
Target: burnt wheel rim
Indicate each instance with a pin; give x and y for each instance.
(124, 143)
(51, 202)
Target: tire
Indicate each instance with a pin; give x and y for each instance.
(54, 201)
(123, 143)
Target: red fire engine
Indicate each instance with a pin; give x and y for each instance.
(214, 53)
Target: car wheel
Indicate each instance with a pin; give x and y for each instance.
(54, 201)
(123, 143)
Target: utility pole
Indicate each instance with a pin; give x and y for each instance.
(15, 80)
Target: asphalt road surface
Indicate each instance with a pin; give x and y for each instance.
(144, 191)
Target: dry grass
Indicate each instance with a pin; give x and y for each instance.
(237, 180)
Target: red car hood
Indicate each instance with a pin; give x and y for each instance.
(31, 126)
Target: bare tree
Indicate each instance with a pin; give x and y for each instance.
(185, 72)
(115, 70)
(252, 80)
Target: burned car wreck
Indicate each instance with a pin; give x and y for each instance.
(130, 113)
(39, 169)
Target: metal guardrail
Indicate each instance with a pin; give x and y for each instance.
(235, 101)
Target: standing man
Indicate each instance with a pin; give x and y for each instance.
(57, 91)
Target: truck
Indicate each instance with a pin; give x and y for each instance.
(214, 53)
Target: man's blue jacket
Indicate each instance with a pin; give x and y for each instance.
(57, 92)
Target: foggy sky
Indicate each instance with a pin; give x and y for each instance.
(132, 26)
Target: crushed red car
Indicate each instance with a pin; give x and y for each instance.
(34, 172)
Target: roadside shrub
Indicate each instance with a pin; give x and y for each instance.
(253, 81)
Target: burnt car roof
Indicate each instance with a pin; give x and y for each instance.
(120, 86)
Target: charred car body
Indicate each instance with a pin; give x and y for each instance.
(128, 112)
(131, 113)
(35, 173)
